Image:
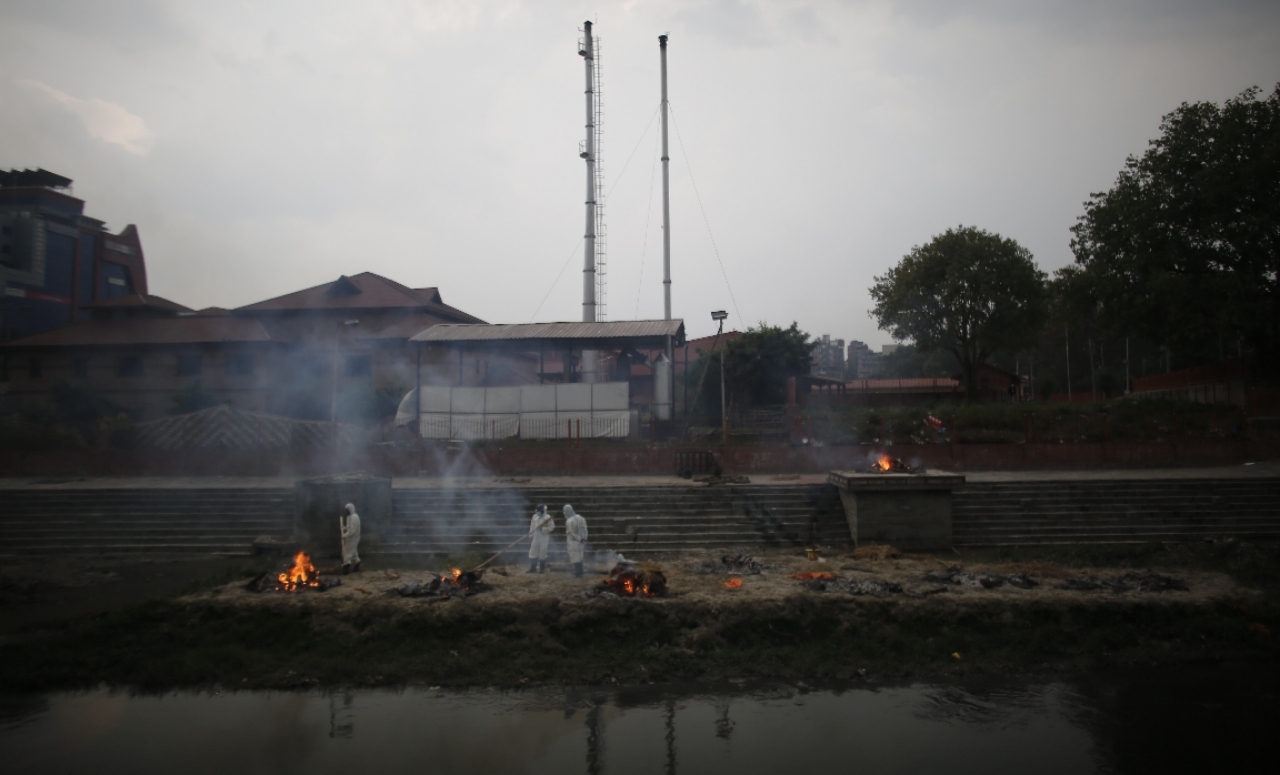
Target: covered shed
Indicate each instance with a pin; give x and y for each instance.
(569, 400)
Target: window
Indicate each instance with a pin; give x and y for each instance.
(239, 365)
(35, 368)
(129, 366)
(80, 367)
(359, 365)
(190, 364)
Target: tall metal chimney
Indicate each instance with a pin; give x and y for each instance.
(587, 52)
(666, 192)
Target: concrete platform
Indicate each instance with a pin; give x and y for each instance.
(1261, 469)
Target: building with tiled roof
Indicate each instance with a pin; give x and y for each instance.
(306, 354)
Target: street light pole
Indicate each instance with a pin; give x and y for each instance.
(724, 413)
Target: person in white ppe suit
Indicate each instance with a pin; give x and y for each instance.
(349, 525)
(540, 527)
(575, 528)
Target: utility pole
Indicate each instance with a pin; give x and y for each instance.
(586, 51)
(666, 190)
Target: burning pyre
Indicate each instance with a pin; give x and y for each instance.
(299, 577)
(643, 580)
(446, 585)
(892, 465)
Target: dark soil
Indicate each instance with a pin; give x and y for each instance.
(204, 641)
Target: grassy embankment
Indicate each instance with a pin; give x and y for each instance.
(175, 643)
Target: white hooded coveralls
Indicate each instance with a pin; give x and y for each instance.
(575, 528)
(350, 526)
(540, 526)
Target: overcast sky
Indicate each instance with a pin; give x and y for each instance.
(262, 148)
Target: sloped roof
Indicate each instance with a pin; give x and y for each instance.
(362, 291)
(138, 300)
(194, 329)
(579, 333)
(411, 324)
(909, 385)
(222, 427)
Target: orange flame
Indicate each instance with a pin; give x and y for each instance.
(885, 463)
(302, 574)
(733, 583)
(809, 575)
(457, 574)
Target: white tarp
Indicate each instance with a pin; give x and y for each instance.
(468, 400)
(537, 398)
(598, 410)
(502, 400)
(611, 397)
(574, 397)
(436, 399)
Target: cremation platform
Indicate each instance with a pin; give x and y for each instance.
(909, 511)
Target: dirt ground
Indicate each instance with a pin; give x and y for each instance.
(702, 579)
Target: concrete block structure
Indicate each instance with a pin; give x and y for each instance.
(908, 511)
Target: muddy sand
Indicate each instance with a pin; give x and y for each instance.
(703, 579)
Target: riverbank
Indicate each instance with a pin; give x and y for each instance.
(553, 629)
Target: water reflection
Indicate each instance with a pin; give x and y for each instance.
(1102, 724)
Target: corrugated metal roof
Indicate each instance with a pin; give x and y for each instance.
(613, 329)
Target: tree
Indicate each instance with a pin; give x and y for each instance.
(1185, 247)
(967, 292)
(756, 365)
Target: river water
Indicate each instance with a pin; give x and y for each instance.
(1212, 719)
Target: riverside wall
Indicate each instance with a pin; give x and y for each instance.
(627, 459)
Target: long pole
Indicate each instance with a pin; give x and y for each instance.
(513, 543)
(724, 411)
(666, 192)
(589, 249)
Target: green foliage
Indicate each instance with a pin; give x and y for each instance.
(79, 406)
(908, 362)
(1185, 246)
(192, 398)
(756, 364)
(968, 292)
(67, 420)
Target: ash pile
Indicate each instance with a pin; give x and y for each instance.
(955, 576)
(1133, 581)
(300, 576)
(830, 582)
(455, 583)
(737, 564)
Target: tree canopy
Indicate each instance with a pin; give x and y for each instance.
(1185, 247)
(968, 292)
(756, 364)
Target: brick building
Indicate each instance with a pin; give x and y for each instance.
(55, 261)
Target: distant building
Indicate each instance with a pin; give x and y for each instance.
(863, 363)
(295, 355)
(827, 359)
(54, 260)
